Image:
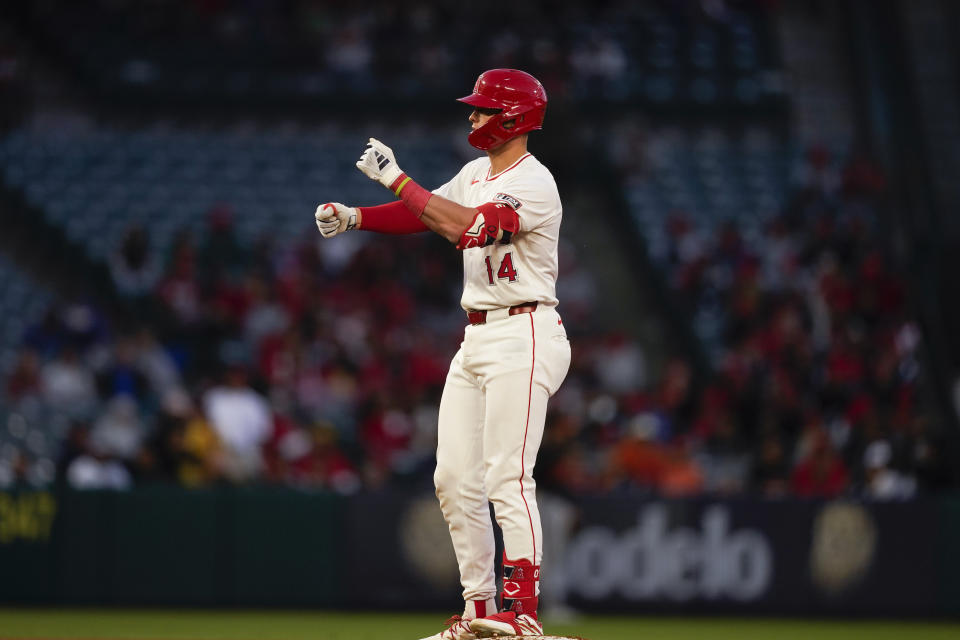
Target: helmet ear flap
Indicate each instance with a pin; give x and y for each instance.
(509, 122)
(516, 111)
(517, 114)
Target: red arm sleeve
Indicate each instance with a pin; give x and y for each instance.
(393, 218)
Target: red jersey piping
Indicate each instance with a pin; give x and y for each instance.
(519, 160)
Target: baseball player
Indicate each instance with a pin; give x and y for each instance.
(503, 212)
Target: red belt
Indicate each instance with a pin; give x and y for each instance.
(480, 317)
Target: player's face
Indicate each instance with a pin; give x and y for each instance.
(480, 115)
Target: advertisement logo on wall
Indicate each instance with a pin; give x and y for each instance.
(843, 546)
(653, 560)
(425, 543)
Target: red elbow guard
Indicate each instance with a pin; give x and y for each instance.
(494, 222)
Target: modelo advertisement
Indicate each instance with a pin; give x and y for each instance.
(745, 556)
(633, 555)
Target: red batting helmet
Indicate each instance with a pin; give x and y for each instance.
(521, 98)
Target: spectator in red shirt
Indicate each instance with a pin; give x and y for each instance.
(821, 473)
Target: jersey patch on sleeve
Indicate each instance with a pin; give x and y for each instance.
(509, 199)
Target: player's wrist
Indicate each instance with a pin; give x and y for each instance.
(398, 183)
(391, 174)
(412, 194)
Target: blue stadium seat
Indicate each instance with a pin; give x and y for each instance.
(94, 184)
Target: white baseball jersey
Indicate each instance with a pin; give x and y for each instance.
(504, 275)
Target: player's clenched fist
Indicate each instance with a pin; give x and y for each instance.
(333, 218)
(378, 163)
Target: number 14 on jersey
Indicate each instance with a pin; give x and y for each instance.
(505, 271)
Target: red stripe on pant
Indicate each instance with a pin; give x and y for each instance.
(523, 451)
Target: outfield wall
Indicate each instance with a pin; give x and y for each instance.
(280, 547)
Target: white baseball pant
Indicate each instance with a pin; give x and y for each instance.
(492, 415)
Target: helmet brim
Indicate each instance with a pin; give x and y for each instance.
(477, 100)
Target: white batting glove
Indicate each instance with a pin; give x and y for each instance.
(378, 163)
(333, 218)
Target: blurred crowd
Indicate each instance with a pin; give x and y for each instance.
(321, 365)
(298, 366)
(817, 387)
(311, 45)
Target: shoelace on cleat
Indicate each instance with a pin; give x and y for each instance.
(451, 623)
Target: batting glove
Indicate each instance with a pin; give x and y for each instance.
(378, 163)
(333, 218)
